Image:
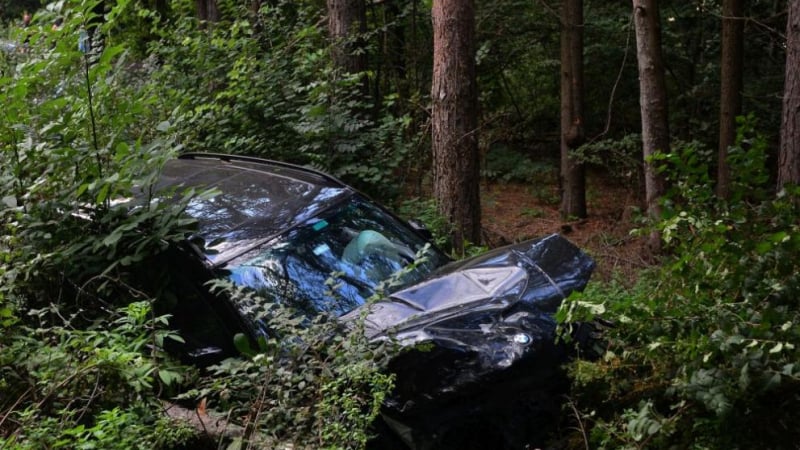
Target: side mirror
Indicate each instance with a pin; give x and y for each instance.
(421, 229)
(205, 356)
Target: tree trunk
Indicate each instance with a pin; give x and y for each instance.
(730, 88)
(652, 102)
(213, 11)
(207, 10)
(346, 23)
(573, 178)
(789, 157)
(160, 6)
(454, 95)
(396, 48)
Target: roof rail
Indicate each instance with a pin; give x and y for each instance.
(252, 159)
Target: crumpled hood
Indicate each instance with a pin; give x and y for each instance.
(482, 315)
(537, 274)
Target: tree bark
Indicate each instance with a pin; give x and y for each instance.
(652, 97)
(346, 23)
(730, 89)
(454, 95)
(207, 10)
(396, 48)
(573, 177)
(789, 156)
(653, 104)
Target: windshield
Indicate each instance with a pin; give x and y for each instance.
(334, 262)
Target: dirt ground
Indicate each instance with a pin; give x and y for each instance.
(514, 212)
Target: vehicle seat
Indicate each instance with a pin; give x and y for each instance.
(376, 255)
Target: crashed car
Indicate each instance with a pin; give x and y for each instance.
(282, 230)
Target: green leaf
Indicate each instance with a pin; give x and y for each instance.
(744, 376)
(112, 238)
(774, 380)
(169, 377)
(779, 237)
(242, 344)
(10, 201)
(235, 444)
(81, 189)
(102, 195)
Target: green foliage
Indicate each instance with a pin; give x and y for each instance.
(517, 64)
(703, 352)
(79, 135)
(81, 356)
(313, 382)
(622, 158)
(71, 388)
(262, 85)
(425, 211)
(507, 165)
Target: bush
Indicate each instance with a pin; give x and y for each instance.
(703, 352)
(81, 358)
(262, 85)
(70, 388)
(313, 382)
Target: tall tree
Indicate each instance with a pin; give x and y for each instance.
(454, 95)
(207, 10)
(161, 7)
(573, 177)
(347, 21)
(789, 157)
(730, 88)
(652, 101)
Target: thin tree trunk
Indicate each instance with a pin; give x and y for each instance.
(455, 118)
(346, 23)
(653, 103)
(789, 157)
(207, 10)
(161, 7)
(202, 9)
(213, 11)
(396, 48)
(573, 177)
(730, 89)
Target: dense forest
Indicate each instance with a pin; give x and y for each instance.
(688, 109)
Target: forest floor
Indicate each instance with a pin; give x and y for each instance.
(513, 212)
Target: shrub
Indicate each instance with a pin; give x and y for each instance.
(262, 85)
(703, 352)
(313, 382)
(81, 356)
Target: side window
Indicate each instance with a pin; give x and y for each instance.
(297, 276)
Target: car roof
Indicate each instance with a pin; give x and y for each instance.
(257, 199)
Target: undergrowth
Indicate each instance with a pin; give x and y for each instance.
(703, 350)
